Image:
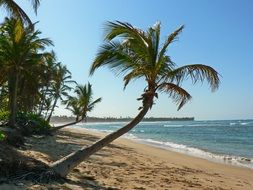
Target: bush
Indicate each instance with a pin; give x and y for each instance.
(4, 116)
(31, 123)
(2, 136)
(26, 124)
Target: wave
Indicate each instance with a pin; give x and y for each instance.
(130, 136)
(241, 123)
(245, 123)
(173, 126)
(195, 125)
(227, 159)
(182, 148)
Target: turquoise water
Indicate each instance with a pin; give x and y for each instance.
(228, 141)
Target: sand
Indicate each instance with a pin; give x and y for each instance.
(126, 164)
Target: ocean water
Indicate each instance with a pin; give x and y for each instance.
(227, 141)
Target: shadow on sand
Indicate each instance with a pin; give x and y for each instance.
(43, 150)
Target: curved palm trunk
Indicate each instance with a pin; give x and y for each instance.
(40, 109)
(66, 164)
(65, 125)
(52, 110)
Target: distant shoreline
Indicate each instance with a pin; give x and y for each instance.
(61, 119)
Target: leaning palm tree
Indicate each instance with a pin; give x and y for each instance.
(16, 11)
(139, 54)
(80, 105)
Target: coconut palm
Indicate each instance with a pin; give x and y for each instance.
(80, 105)
(60, 85)
(85, 99)
(20, 49)
(48, 75)
(29, 90)
(74, 107)
(138, 54)
(16, 11)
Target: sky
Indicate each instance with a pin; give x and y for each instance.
(217, 33)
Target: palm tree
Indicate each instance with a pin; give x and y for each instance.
(16, 11)
(80, 105)
(60, 86)
(29, 90)
(20, 49)
(85, 99)
(74, 107)
(138, 54)
(48, 75)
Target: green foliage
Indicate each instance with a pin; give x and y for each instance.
(83, 103)
(32, 123)
(28, 123)
(4, 116)
(136, 54)
(2, 136)
(15, 10)
(3, 120)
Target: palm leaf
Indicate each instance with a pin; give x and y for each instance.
(172, 37)
(91, 105)
(178, 94)
(196, 72)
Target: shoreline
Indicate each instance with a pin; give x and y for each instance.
(230, 160)
(128, 165)
(178, 158)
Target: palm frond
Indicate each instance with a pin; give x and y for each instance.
(137, 73)
(91, 105)
(112, 54)
(169, 40)
(35, 4)
(136, 38)
(153, 34)
(196, 72)
(126, 30)
(178, 94)
(15, 10)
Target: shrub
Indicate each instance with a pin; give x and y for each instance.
(4, 116)
(31, 123)
(2, 136)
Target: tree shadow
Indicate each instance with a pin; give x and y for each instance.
(66, 142)
(18, 168)
(47, 149)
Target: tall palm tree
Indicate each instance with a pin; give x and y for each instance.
(16, 11)
(80, 105)
(139, 54)
(20, 48)
(60, 86)
(48, 76)
(29, 90)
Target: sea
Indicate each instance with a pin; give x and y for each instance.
(223, 141)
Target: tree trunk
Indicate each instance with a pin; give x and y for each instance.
(13, 91)
(66, 164)
(65, 125)
(52, 110)
(43, 100)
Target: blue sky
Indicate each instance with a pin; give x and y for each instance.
(217, 33)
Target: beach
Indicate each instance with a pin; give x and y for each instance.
(126, 164)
